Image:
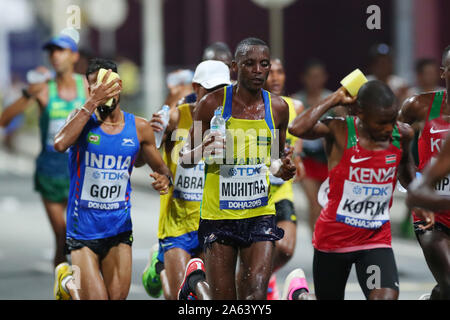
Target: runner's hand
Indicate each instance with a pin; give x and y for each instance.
(161, 182)
(214, 143)
(426, 216)
(287, 169)
(156, 122)
(343, 98)
(102, 92)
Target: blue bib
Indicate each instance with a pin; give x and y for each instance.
(100, 166)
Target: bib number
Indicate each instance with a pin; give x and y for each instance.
(189, 183)
(243, 187)
(364, 205)
(104, 189)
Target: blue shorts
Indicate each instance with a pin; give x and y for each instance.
(188, 242)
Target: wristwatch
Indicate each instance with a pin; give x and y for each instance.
(26, 94)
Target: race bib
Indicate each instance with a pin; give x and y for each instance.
(54, 126)
(442, 187)
(243, 186)
(188, 184)
(104, 189)
(364, 205)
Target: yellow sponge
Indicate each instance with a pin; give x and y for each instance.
(353, 82)
(101, 74)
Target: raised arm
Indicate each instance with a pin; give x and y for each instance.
(421, 192)
(308, 126)
(100, 94)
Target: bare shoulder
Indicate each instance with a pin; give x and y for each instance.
(141, 123)
(415, 108)
(204, 109)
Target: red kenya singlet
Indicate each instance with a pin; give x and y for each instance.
(433, 135)
(356, 216)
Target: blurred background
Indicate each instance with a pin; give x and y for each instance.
(319, 42)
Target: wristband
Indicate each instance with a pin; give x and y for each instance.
(86, 110)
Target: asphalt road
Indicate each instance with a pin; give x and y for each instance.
(26, 241)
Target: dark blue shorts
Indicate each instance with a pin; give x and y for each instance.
(239, 233)
(188, 242)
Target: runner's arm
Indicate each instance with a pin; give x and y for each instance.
(308, 126)
(36, 92)
(193, 150)
(152, 157)
(413, 109)
(100, 94)
(407, 168)
(287, 168)
(421, 192)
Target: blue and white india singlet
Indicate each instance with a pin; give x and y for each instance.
(100, 167)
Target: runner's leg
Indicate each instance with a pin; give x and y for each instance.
(56, 213)
(116, 271)
(175, 262)
(255, 269)
(91, 282)
(284, 248)
(436, 249)
(377, 274)
(330, 273)
(220, 265)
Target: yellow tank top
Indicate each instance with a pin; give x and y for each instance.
(180, 208)
(240, 188)
(282, 190)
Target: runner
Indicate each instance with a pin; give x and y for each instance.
(103, 144)
(282, 192)
(423, 192)
(237, 222)
(431, 111)
(56, 99)
(180, 208)
(215, 51)
(365, 153)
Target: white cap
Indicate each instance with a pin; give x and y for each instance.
(211, 73)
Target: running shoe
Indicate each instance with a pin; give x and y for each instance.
(295, 281)
(272, 289)
(194, 266)
(150, 279)
(63, 272)
(425, 296)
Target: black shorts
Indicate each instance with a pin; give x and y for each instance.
(375, 269)
(437, 226)
(285, 211)
(239, 233)
(100, 246)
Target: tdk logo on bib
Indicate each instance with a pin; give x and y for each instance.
(248, 171)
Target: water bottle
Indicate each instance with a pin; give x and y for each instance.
(164, 112)
(34, 76)
(218, 125)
